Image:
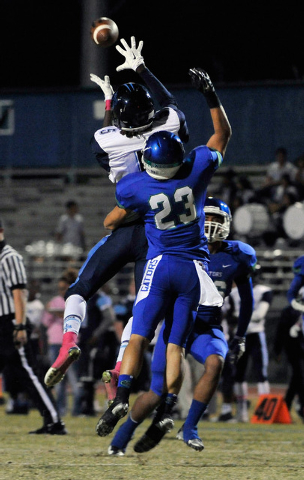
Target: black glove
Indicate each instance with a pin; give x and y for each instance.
(236, 349)
(201, 80)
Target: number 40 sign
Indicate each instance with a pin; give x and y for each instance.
(271, 409)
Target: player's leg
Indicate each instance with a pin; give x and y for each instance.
(209, 348)
(110, 377)
(227, 383)
(105, 259)
(185, 282)
(156, 398)
(240, 385)
(150, 307)
(260, 361)
(145, 404)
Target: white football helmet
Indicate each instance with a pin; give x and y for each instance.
(216, 231)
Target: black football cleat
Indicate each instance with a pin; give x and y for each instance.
(110, 418)
(154, 434)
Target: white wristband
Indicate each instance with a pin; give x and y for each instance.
(297, 305)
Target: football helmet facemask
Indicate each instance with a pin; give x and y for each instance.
(163, 155)
(216, 231)
(132, 107)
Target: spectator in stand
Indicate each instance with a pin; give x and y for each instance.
(244, 192)
(35, 311)
(70, 228)
(281, 166)
(285, 195)
(227, 189)
(285, 186)
(53, 321)
(299, 176)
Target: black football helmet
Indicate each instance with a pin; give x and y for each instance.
(132, 107)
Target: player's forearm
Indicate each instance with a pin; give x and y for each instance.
(222, 130)
(20, 306)
(162, 95)
(115, 218)
(107, 120)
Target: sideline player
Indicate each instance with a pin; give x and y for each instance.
(256, 345)
(171, 203)
(118, 150)
(296, 285)
(207, 343)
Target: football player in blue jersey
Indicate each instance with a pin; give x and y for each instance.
(118, 149)
(170, 196)
(229, 261)
(296, 285)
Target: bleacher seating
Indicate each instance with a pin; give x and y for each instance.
(32, 201)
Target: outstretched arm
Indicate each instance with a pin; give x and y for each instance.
(107, 89)
(135, 61)
(222, 129)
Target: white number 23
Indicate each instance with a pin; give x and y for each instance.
(161, 200)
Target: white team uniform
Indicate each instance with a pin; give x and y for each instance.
(120, 153)
(257, 322)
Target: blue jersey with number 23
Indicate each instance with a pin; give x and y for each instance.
(172, 209)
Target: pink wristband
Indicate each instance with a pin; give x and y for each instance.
(108, 104)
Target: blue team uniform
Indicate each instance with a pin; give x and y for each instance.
(234, 262)
(172, 211)
(120, 155)
(298, 280)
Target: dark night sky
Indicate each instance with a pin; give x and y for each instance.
(41, 41)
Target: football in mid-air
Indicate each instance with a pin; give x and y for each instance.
(104, 32)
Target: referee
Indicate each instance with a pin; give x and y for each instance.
(16, 358)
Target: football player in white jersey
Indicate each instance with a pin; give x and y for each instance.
(256, 346)
(118, 149)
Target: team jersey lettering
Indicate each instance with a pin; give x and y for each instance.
(221, 286)
(161, 200)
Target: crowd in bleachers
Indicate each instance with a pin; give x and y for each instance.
(281, 187)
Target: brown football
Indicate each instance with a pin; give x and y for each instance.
(104, 32)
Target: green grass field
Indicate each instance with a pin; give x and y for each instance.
(232, 451)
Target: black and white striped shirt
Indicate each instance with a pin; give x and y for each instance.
(12, 276)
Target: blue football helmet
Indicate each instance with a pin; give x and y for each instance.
(163, 155)
(217, 231)
(132, 107)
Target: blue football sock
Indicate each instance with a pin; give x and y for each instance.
(194, 415)
(124, 433)
(125, 381)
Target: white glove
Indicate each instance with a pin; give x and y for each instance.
(105, 85)
(297, 306)
(132, 55)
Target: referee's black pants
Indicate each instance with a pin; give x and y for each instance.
(18, 366)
